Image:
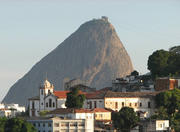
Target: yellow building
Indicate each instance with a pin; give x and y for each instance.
(102, 114)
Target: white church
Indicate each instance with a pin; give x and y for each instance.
(48, 99)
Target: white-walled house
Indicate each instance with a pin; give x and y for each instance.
(142, 102)
(57, 124)
(47, 100)
(10, 110)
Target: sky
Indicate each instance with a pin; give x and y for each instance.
(30, 29)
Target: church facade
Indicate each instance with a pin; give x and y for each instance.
(47, 100)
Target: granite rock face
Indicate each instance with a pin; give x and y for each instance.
(93, 53)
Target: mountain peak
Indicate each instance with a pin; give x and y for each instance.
(93, 53)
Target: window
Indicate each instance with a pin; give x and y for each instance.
(46, 104)
(41, 92)
(49, 131)
(116, 105)
(43, 124)
(50, 102)
(56, 124)
(49, 124)
(34, 124)
(53, 104)
(140, 104)
(149, 104)
(130, 104)
(135, 104)
(94, 104)
(41, 103)
(38, 124)
(33, 105)
(90, 105)
(48, 91)
(122, 104)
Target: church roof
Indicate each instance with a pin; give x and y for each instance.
(61, 94)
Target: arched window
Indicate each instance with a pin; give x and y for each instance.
(50, 102)
(46, 104)
(53, 104)
(33, 105)
(42, 92)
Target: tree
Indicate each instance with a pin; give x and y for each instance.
(75, 99)
(157, 62)
(169, 100)
(135, 73)
(2, 123)
(15, 125)
(125, 119)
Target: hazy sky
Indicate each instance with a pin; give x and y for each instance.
(30, 29)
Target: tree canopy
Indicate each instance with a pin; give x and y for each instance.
(168, 107)
(125, 119)
(15, 125)
(164, 63)
(75, 99)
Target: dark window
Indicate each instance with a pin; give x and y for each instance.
(90, 105)
(43, 124)
(122, 104)
(46, 104)
(38, 124)
(50, 102)
(135, 104)
(140, 104)
(116, 105)
(149, 104)
(34, 124)
(49, 124)
(48, 91)
(41, 92)
(94, 104)
(33, 105)
(41, 103)
(129, 104)
(53, 104)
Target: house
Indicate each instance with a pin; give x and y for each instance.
(166, 83)
(155, 126)
(142, 102)
(11, 110)
(57, 124)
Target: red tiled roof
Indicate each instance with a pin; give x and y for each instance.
(100, 110)
(69, 110)
(63, 94)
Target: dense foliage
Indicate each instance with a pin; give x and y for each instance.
(125, 119)
(75, 99)
(164, 63)
(168, 107)
(15, 125)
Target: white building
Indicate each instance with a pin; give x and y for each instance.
(10, 110)
(57, 124)
(142, 102)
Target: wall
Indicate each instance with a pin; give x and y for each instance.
(90, 102)
(139, 104)
(53, 103)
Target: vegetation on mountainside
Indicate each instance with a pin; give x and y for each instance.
(168, 108)
(164, 63)
(15, 125)
(75, 99)
(125, 119)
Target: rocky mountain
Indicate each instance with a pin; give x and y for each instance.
(93, 53)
